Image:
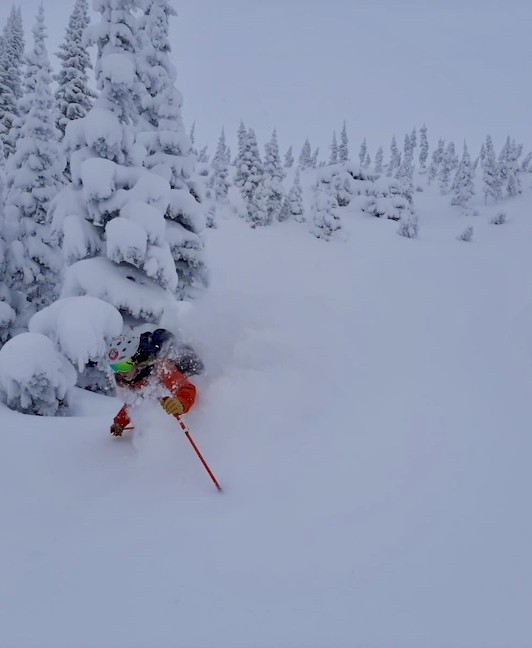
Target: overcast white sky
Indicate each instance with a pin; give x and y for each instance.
(303, 66)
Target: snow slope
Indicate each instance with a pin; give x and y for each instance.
(367, 410)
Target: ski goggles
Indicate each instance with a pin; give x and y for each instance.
(123, 367)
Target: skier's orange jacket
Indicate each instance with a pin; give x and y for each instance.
(170, 376)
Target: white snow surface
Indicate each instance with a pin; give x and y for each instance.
(366, 407)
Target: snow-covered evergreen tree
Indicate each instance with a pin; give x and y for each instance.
(7, 313)
(436, 160)
(163, 135)
(115, 238)
(268, 198)
(242, 135)
(203, 156)
(314, 158)
(513, 182)
(289, 158)
(363, 152)
(405, 172)
(343, 149)
(334, 150)
(526, 164)
(463, 186)
(272, 161)
(192, 140)
(325, 220)
(412, 141)
(249, 172)
(43, 383)
(395, 158)
(220, 170)
(447, 167)
(482, 154)
(423, 149)
(379, 158)
(74, 97)
(11, 60)
(502, 163)
(508, 167)
(305, 157)
(35, 175)
(490, 173)
(293, 203)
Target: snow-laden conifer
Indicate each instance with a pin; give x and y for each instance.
(42, 384)
(249, 173)
(463, 188)
(508, 168)
(423, 149)
(379, 158)
(324, 217)
(7, 313)
(218, 180)
(192, 140)
(81, 328)
(448, 165)
(343, 148)
(334, 150)
(268, 198)
(314, 158)
(272, 161)
(491, 178)
(436, 160)
(305, 157)
(11, 62)
(293, 202)
(395, 158)
(163, 135)
(203, 156)
(115, 238)
(526, 164)
(405, 172)
(73, 95)
(289, 158)
(35, 175)
(363, 152)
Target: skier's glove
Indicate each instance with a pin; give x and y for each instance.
(173, 406)
(116, 429)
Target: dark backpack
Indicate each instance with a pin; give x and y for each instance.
(162, 343)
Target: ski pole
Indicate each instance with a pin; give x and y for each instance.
(205, 465)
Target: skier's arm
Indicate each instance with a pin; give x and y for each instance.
(178, 384)
(122, 418)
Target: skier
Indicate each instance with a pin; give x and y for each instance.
(137, 362)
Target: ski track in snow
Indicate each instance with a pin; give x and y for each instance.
(366, 408)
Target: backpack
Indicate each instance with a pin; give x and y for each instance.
(162, 343)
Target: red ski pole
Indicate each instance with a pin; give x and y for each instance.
(187, 434)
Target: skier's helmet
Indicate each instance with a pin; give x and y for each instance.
(121, 350)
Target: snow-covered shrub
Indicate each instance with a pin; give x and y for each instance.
(34, 377)
(80, 328)
(466, 235)
(293, 203)
(409, 226)
(498, 219)
(324, 216)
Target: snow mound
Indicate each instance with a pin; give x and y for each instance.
(34, 377)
